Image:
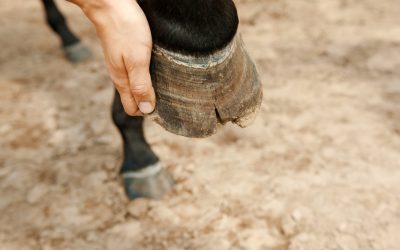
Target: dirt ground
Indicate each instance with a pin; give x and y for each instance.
(319, 169)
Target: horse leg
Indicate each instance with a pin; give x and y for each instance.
(74, 50)
(141, 171)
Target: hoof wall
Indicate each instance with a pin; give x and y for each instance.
(77, 53)
(197, 93)
(152, 182)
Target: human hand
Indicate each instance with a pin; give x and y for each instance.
(126, 40)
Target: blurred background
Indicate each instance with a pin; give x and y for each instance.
(318, 169)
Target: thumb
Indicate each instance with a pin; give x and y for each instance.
(140, 84)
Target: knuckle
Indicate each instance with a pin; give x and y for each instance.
(140, 89)
(137, 61)
(122, 88)
(135, 64)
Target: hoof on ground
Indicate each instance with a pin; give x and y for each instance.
(152, 182)
(77, 53)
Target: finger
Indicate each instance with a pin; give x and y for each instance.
(120, 79)
(143, 92)
(140, 81)
(128, 102)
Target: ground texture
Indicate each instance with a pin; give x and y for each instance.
(319, 168)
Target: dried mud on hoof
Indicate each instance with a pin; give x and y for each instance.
(197, 93)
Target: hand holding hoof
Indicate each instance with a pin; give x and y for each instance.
(152, 182)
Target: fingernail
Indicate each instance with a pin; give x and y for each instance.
(146, 107)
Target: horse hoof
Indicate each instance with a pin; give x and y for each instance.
(152, 182)
(78, 52)
(196, 93)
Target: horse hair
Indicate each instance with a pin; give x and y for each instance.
(191, 26)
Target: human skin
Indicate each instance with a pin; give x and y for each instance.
(125, 37)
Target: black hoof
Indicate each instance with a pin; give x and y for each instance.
(152, 182)
(77, 52)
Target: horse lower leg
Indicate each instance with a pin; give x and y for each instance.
(142, 174)
(137, 152)
(58, 24)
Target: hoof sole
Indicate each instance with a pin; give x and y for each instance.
(77, 53)
(152, 182)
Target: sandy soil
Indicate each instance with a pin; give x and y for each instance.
(319, 168)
